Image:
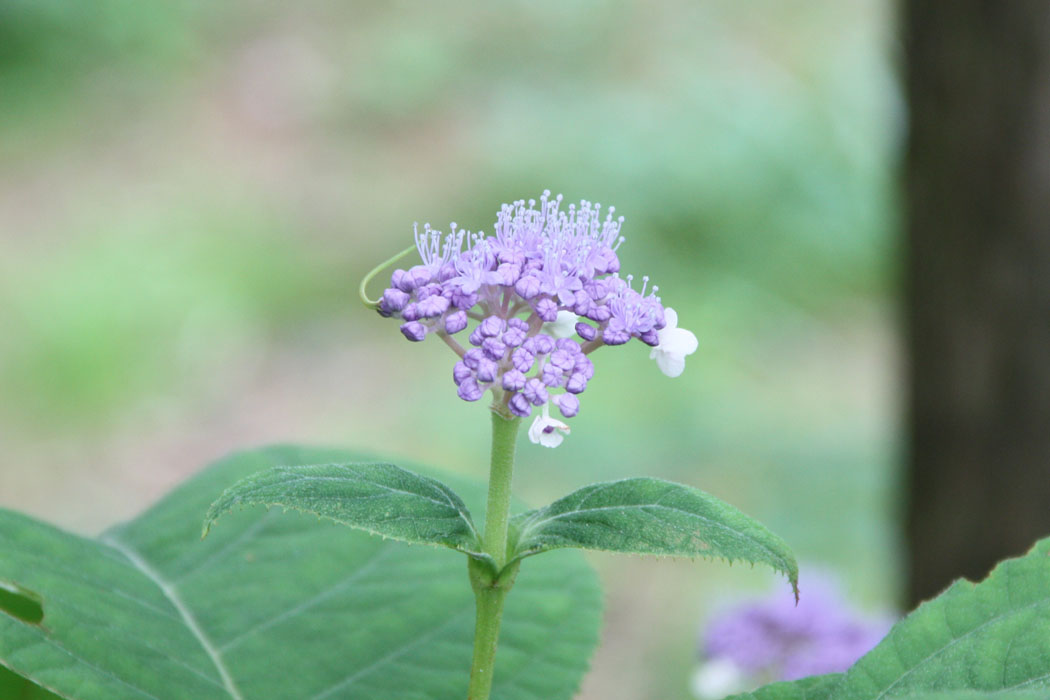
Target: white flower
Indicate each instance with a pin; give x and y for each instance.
(675, 344)
(562, 327)
(547, 431)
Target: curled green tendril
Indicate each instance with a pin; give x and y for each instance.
(361, 291)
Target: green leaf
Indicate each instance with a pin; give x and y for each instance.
(812, 688)
(651, 516)
(276, 606)
(990, 636)
(378, 498)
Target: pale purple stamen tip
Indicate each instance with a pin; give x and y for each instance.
(541, 263)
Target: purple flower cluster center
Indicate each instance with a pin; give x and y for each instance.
(502, 289)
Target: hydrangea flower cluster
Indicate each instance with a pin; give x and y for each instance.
(774, 639)
(534, 300)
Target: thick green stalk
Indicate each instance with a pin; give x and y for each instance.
(489, 591)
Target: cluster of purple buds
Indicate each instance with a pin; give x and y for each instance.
(533, 301)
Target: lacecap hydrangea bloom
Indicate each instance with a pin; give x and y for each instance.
(533, 301)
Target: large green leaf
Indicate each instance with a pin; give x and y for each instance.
(812, 688)
(651, 516)
(990, 636)
(275, 606)
(379, 498)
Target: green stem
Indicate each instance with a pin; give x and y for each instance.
(490, 590)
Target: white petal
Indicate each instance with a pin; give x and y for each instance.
(679, 341)
(671, 317)
(563, 326)
(671, 364)
(551, 439)
(536, 430)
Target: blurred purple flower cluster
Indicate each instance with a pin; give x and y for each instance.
(544, 292)
(774, 639)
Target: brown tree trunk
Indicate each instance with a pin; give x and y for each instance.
(978, 285)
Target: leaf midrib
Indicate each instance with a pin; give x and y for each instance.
(169, 591)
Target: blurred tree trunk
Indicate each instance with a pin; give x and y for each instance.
(978, 285)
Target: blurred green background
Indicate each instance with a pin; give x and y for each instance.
(190, 192)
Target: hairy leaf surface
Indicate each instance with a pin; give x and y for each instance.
(275, 606)
(378, 498)
(651, 516)
(989, 636)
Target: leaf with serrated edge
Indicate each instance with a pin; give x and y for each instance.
(651, 516)
(379, 498)
(990, 636)
(276, 607)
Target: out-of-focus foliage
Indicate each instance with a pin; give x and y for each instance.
(190, 191)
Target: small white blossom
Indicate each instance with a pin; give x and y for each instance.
(675, 344)
(547, 431)
(562, 327)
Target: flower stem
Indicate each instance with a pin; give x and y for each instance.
(490, 588)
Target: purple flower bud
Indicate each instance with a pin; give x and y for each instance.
(519, 406)
(650, 337)
(461, 300)
(411, 312)
(492, 326)
(546, 309)
(514, 337)
(393, 301)
(509, 272)
(607, 262)
(455, 322)
(475, 337)
(487, 370)
(535, 392)
(469, 390)
(599, 313)
(523, 359)
(460, 372)
(433, 306)
(584, 366)
(562, 360)
(568, 404)
(542, 343)
(446, 272)
(596, 289)
(568, 345)
(472, 357)
(494, 348)
(414, 331)
(586, 331)
(576, 384)
(582, 302)
(615, 336)
(528, 286)
(419, 275)
(513, 380)
(552, 376)
(518, 323)
(401, 280)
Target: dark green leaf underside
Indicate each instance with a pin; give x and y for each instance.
(276, 606)
(651, 516)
